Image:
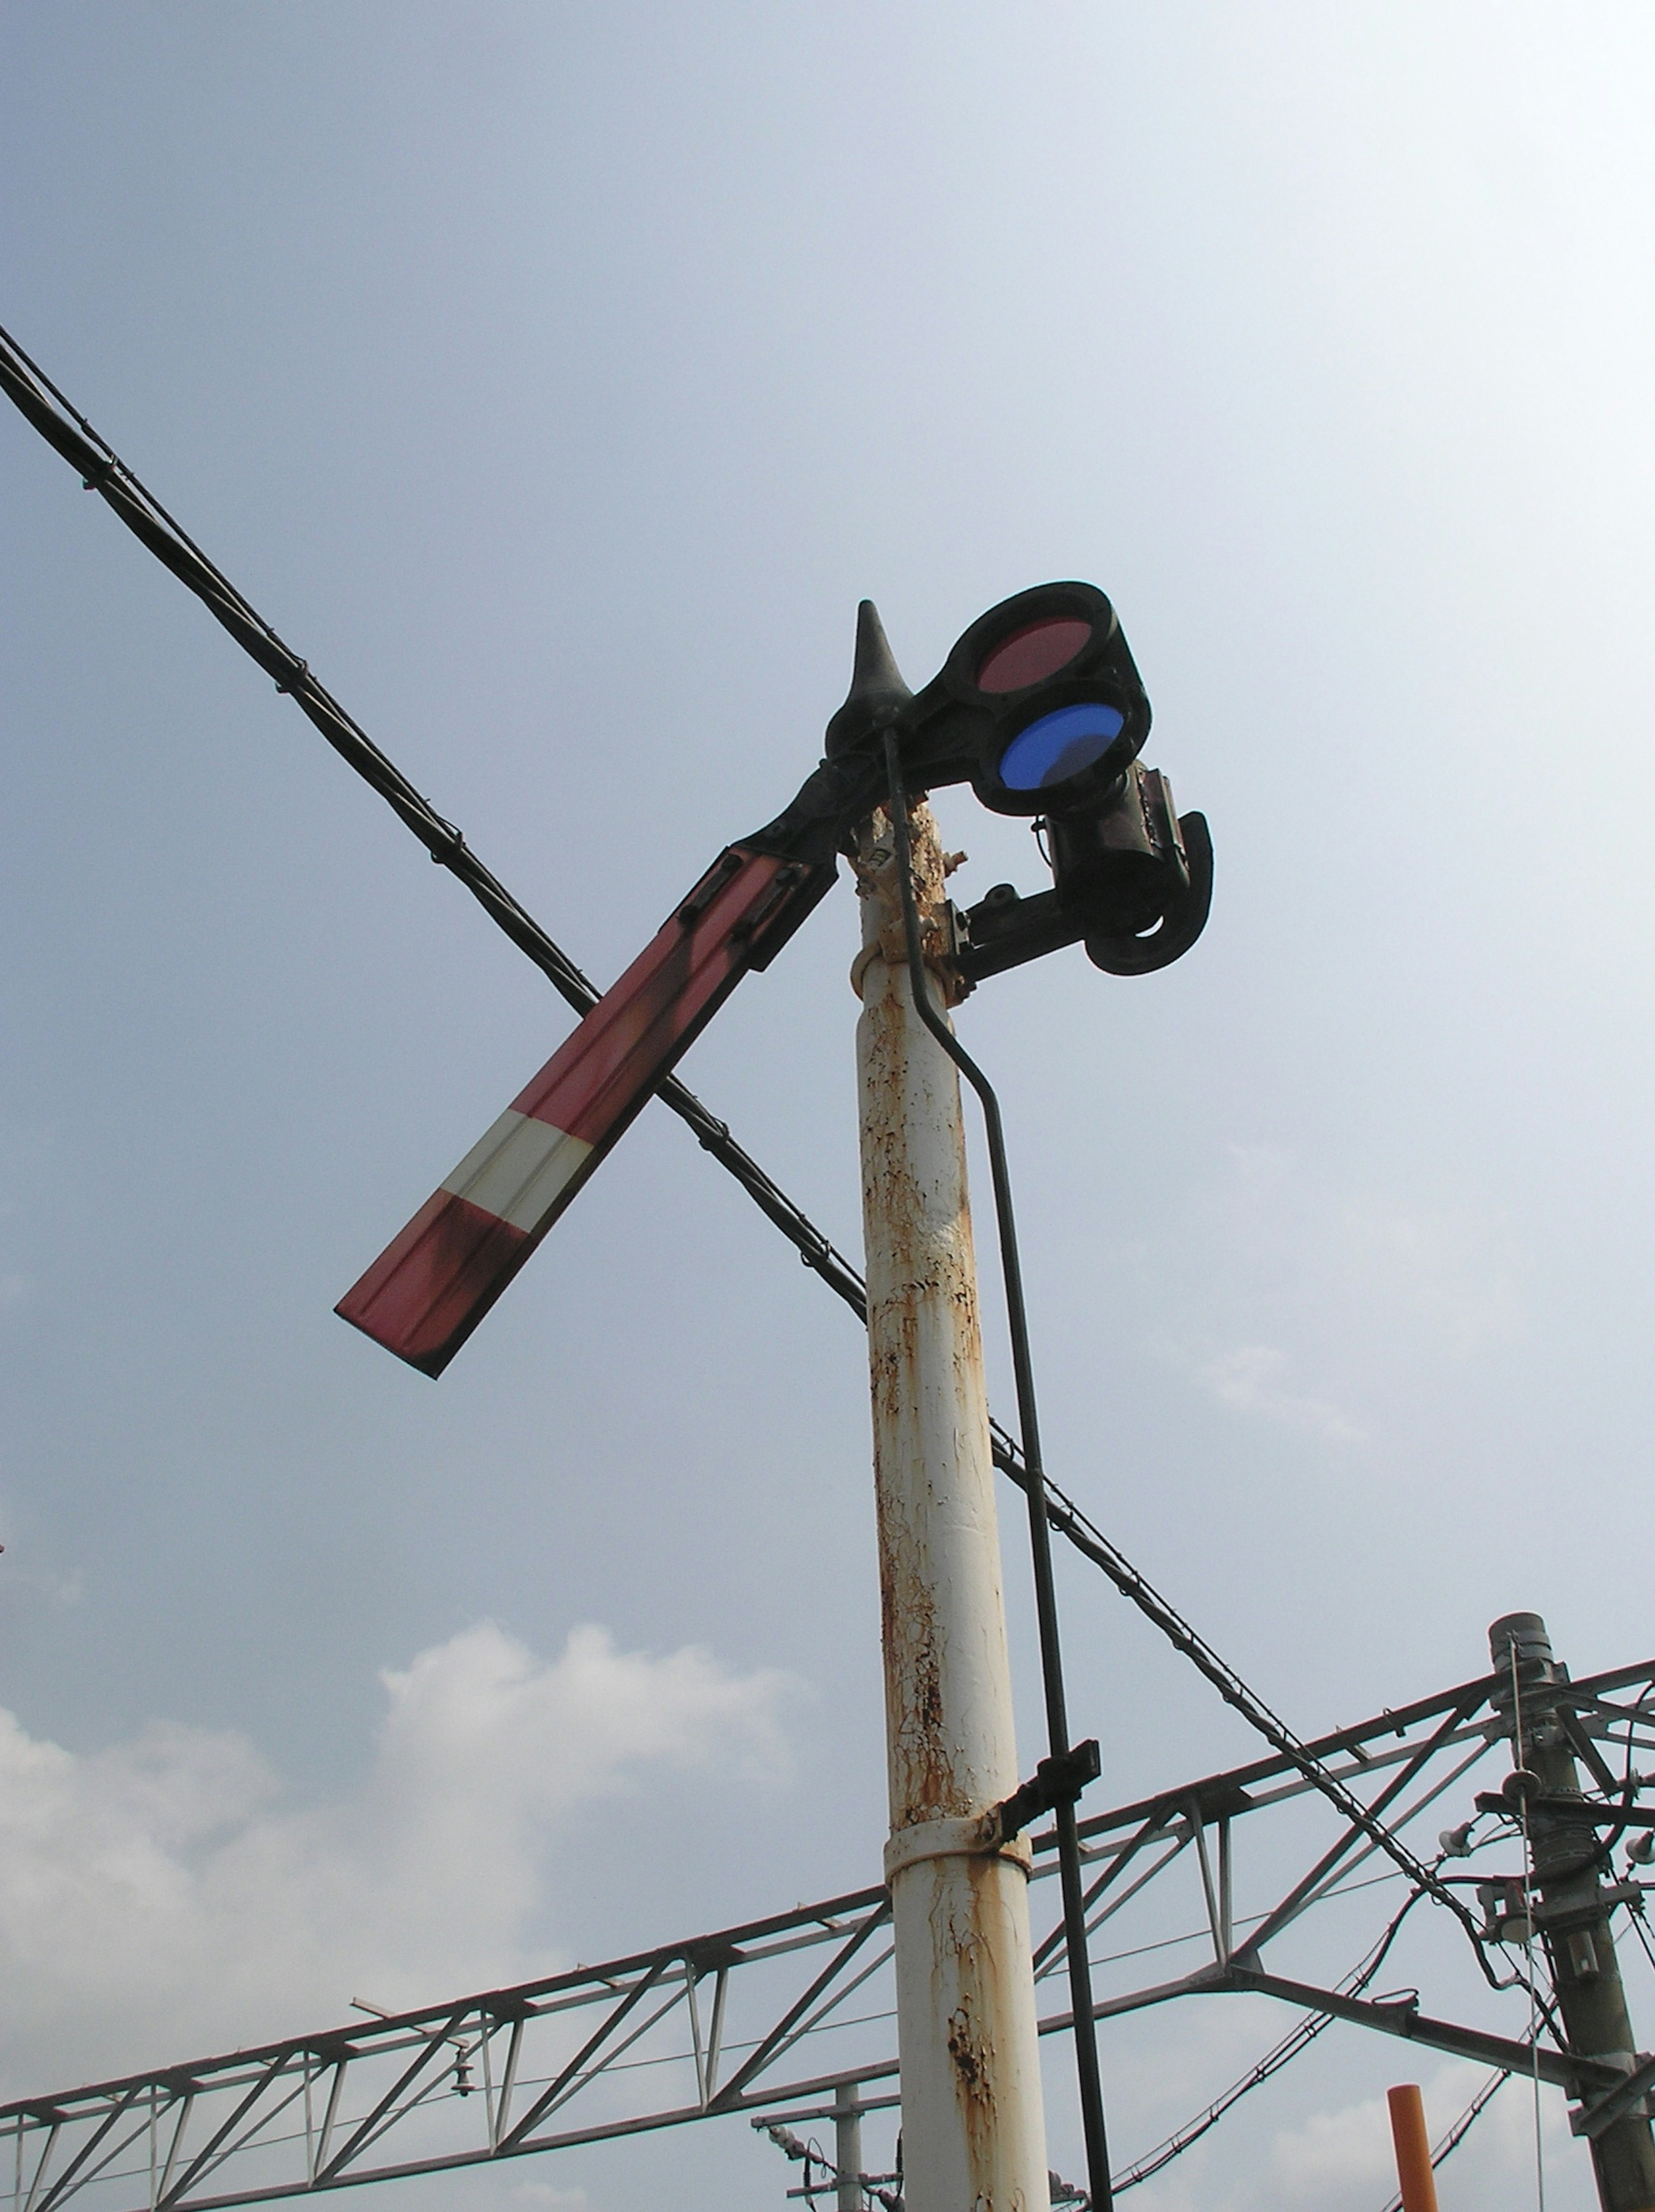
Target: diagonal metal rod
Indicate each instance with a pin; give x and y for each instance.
(1154, 1827)
(1045, 1589)
(1043, 1958)
(362, 2133)
(560, 2081)
(200, 2162)
(760, 2055)
(65, 2179)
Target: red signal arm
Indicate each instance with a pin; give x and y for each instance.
(429, 1288)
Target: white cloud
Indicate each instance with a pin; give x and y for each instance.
(1447, 1279)
(157, 1900)
(1336, 2158)
(1455, 1277)
(1248, 1381)
(1341, 2159)
(1345, 2158)
(1331, 1309)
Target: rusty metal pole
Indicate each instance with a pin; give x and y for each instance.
(973, 2128)
(1573, 1917)
(1414, 2176)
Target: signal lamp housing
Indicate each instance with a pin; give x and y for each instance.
(1061, 716)
(1040, 708)
(1061, 711)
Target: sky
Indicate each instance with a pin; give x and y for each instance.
(555, 379)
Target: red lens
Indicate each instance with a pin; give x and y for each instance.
(1039, 649)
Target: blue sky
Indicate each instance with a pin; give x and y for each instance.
(555, 379)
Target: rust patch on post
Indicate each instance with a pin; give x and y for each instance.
(971, 1950)
(971, 2063)
(919, 1228)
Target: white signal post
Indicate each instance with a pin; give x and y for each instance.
(973, 2127)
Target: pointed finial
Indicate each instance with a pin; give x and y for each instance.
(876, 682)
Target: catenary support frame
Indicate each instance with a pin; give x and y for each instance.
(777, 2012)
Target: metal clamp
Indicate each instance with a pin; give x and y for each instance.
(978, 1836)
(1631, 2096)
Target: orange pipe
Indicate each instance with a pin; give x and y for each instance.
(1419, 2183)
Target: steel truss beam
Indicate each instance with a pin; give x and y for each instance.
(720, 2024)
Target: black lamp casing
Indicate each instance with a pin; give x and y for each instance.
(955, 730)
(1101, 673)
(1131, 881)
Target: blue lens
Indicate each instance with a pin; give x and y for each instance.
(1059, 745)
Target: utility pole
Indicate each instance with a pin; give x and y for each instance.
(847, 2146)
(1573, 1917)
(973, 2128)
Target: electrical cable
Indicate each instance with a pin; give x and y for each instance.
(1045, 1590)
(1298, 2038)
(1089, 1539)
(1522, 1978)
(791, 2147)
(1181, 2139)
(1638, 1930)
(101, 470)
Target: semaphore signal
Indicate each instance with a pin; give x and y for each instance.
(1040, 708)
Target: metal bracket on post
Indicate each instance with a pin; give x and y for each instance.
(1057, 1780)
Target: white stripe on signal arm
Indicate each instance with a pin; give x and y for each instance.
(518, 1170)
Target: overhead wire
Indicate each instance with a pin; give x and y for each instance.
(1522, 1976)
(101, 470)
(1181, 2139)
(1067, 1518)
(1291, 2044)
(1636, 1919)
(1281, 2054)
